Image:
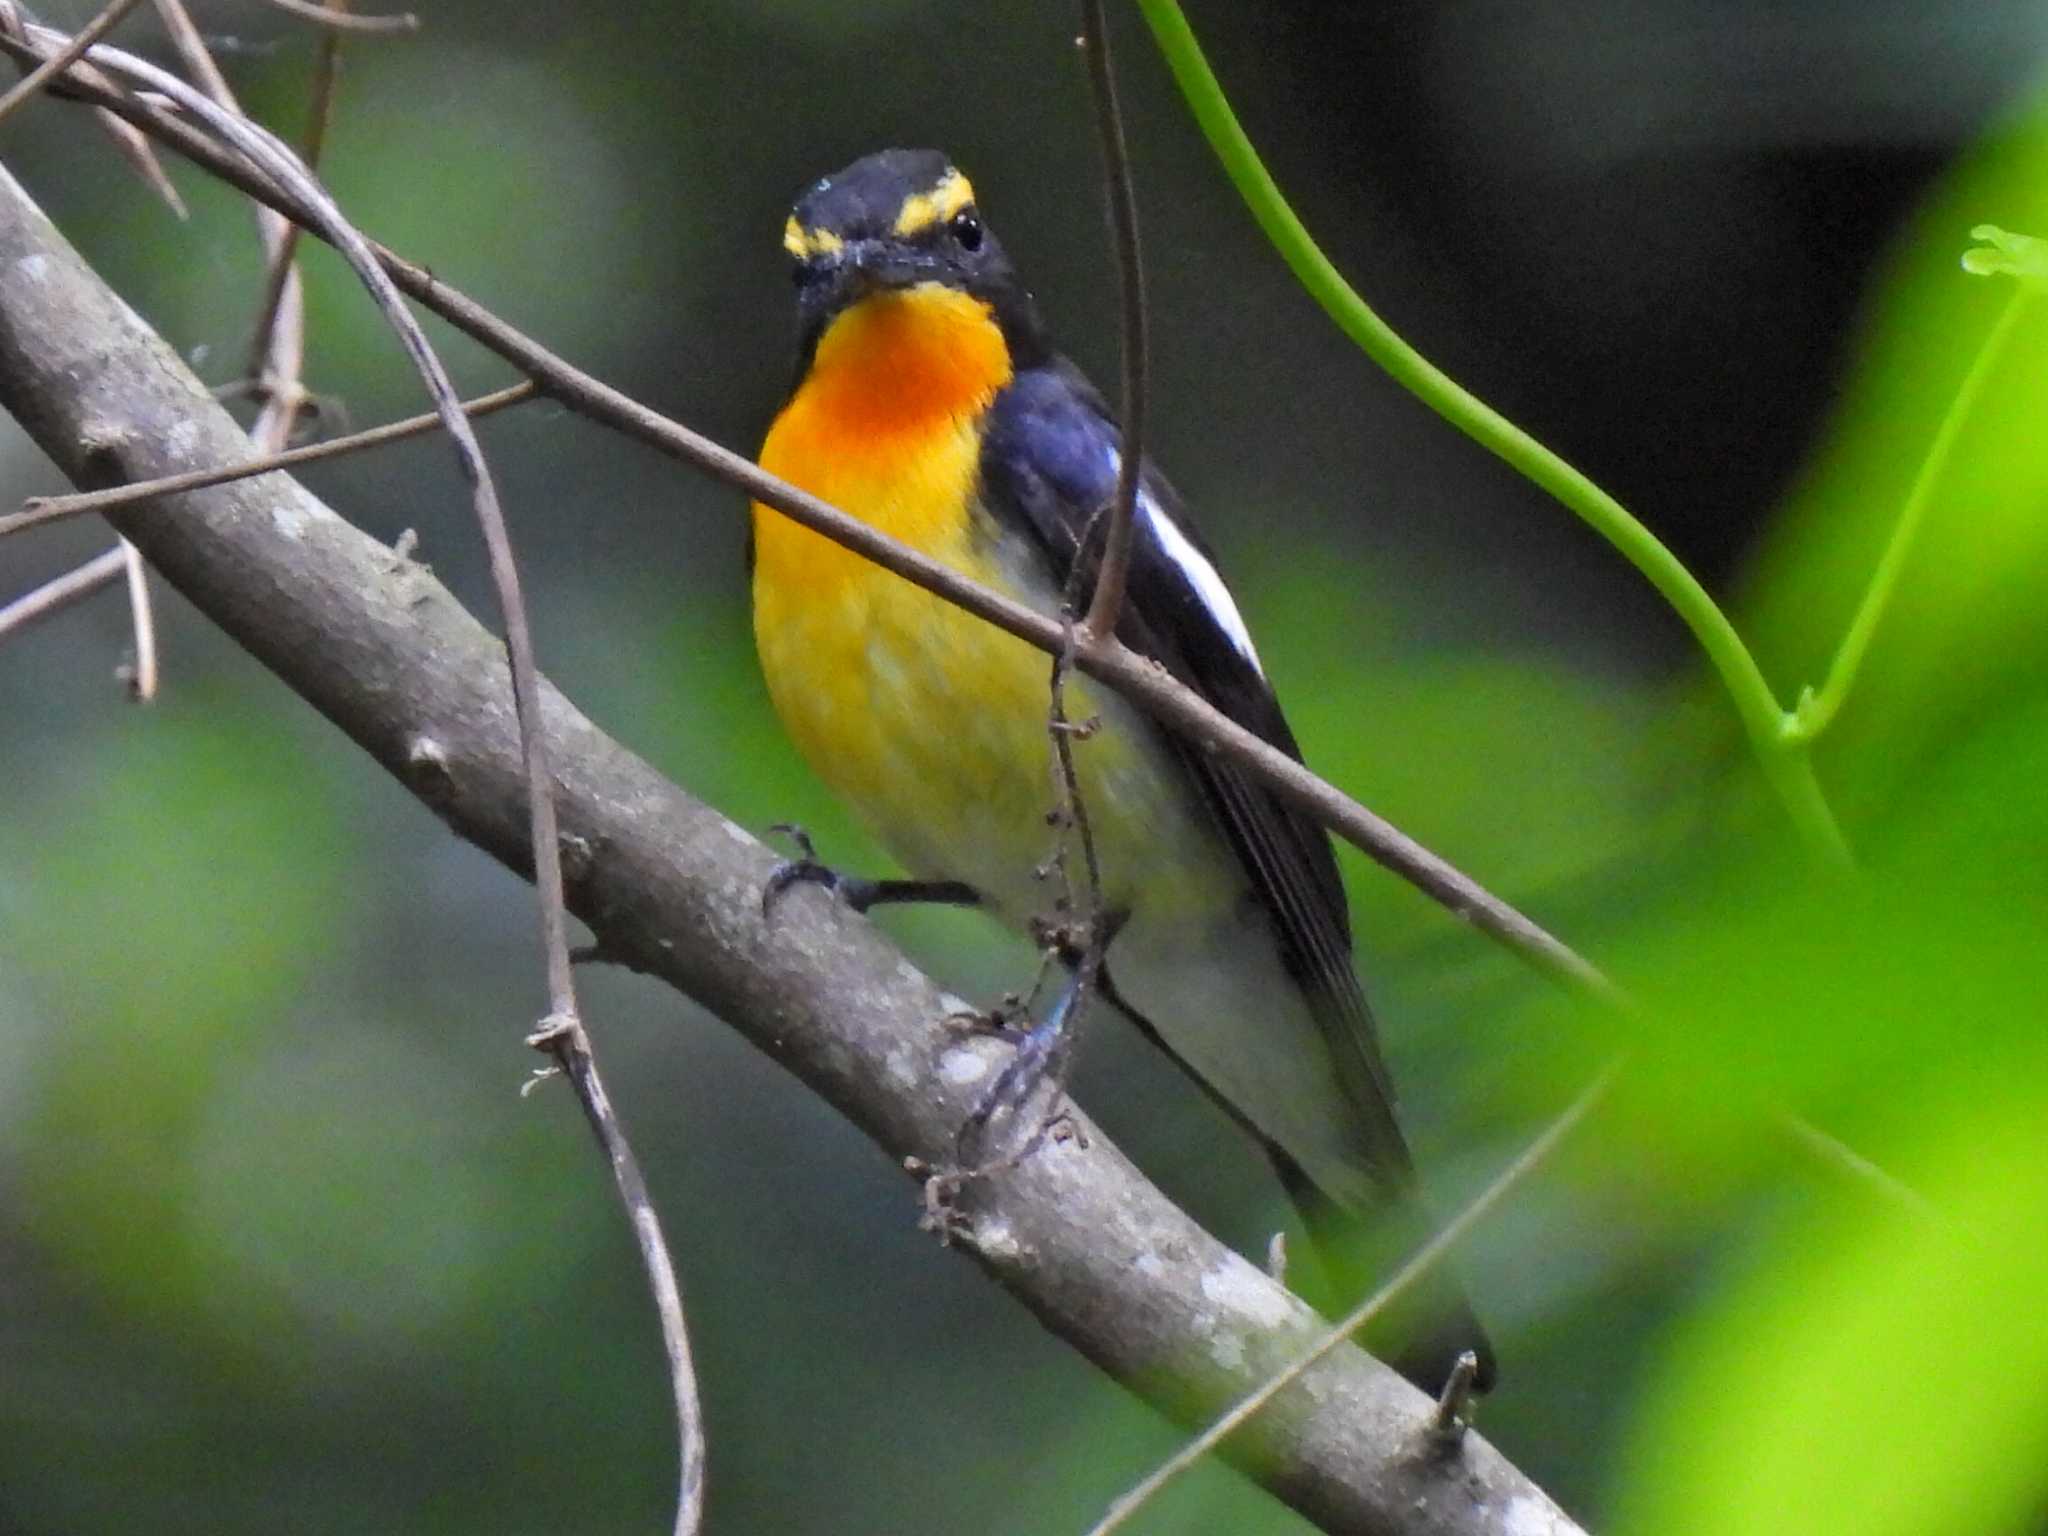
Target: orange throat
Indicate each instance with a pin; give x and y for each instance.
(885, 425)
(905, 361)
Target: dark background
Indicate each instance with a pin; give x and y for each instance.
(281, 1245)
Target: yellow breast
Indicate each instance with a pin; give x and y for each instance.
(872, 677)
(929, 722)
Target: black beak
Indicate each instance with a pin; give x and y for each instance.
(861, 268)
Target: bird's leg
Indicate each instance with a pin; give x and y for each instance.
(807, 869)
(1044, 1050)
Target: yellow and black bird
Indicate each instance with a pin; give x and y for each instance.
(930, 404)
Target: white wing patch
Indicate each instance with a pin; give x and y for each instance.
(1201, 575)
(1207, 583)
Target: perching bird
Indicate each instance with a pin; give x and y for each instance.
(930, 404)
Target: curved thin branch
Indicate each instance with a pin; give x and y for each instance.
(65, 57)
(270, 158)
(38, 510)
(562, 1034)
(103, 570)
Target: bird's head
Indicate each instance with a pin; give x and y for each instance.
(902, 227)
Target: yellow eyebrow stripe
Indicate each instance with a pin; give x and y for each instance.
(922, 211)
(805, 243)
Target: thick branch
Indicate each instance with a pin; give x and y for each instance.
(384, 651)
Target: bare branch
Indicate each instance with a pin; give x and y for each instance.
(1834, 1153)
(282, 334)
(670, 887)
(277, 311)
(64, 57)
(1425, 1258)
(568, 1043)
(143, 679)
(100, 571)
(273, 160)
(131, 145)
(1107, 603)
(80, 583)
(338, 17)
(38, 510)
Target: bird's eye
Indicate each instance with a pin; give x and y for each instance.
(966, 230)
(802, 273)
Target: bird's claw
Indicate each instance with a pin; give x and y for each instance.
(805, 869)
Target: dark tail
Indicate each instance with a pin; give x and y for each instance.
(1424, 1330)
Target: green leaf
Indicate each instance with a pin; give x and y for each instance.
(1886, 1375)
(2021, 256)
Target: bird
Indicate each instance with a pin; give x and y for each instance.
(930, 403)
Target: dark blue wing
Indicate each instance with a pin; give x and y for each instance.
(1051, 454)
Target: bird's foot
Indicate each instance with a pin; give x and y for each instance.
(860, 894)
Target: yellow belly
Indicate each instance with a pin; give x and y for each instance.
(932, 724)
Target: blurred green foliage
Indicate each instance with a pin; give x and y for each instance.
(1881, 1368)
(282, 1247)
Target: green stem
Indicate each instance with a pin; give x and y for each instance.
(1817, 710)
(1788, 770)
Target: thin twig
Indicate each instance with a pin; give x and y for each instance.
(1070, 812)
(1425, 1257)
(1070, 808)
(339, 18)
(275, 162)
(142, 614)
(568, 1043)
(1107, 603)
(326, 87)
(100, 571)
(133, 146)
(284, 334)
(281, 269)
(1834, 1153)
(64, 57)
(38, 510)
